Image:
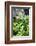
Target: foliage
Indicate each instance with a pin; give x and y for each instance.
(21, 25)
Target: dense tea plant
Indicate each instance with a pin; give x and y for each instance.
(21, 25)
